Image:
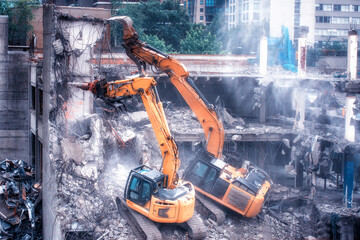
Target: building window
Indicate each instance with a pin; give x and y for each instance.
(331, 32)
(322, 19)
(323, 7)
(340, 20)
(256, 16)
(201, 9)
(201, 2)
(355, 8)
(355, 20)
(327, 7)
(345, 8)
(256, 6)
(201, 18)
(337, 7)
(210, 3)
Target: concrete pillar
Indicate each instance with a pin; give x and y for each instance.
(302, 57)
(300, 109)
(262, 113)
(352, 54)
(51, 223)
(349, 128)
(348, 176)
(263, 55)
(4, 34)
(299, 178)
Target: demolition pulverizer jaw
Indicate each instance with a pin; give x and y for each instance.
(83, 86)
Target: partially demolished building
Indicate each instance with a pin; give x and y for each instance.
(81, 149)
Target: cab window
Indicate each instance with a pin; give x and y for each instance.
(146, 191)
(134, 188)
(200, 169)
(210, 176)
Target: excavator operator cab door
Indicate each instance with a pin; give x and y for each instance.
(139, 189)
(202, 175)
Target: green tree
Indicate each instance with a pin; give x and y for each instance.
(20, 14)
(200, 41)
(157, 43)
(168, 20)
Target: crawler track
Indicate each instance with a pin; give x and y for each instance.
(195, 226)
(142, 227)
(209, 209)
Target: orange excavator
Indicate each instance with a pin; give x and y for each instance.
(158, 195)
(241, 190)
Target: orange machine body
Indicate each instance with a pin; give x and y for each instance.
(238, 189)
(158, 195)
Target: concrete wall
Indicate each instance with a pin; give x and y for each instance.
(37, 21)
(14, 100)
(51, 225)
(63, 105)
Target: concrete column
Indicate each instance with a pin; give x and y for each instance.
(348, 176)
(302, 57)
(262, 110)
(51, 224)
(302, 51)
(300, 109)
(352, 54)
(4, 34)
(263, 55)
(349, 129)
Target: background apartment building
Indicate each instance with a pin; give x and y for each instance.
(272, 14)
(204, 11)
(334, 18)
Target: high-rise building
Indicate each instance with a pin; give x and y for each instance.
(204, 11)
(334, 18)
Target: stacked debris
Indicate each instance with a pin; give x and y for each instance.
(20, 195)
(97, 154)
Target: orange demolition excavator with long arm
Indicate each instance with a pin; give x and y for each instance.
(241, 190)
(158, 195)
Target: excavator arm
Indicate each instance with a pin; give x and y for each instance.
(145, 88)
(241, 190)
(142, 53)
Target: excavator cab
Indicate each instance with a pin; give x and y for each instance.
(143, 182)
(240, 190)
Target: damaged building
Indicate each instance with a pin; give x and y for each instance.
(300, 129)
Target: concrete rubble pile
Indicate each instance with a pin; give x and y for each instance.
(98, 152)
(20, 195)
(97, 155)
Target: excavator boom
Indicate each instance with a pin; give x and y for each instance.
(140, 52)
(242, 190)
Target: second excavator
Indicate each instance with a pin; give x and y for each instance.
(241, 190)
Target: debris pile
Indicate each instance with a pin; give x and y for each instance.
(20, 195)
(92, 168)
